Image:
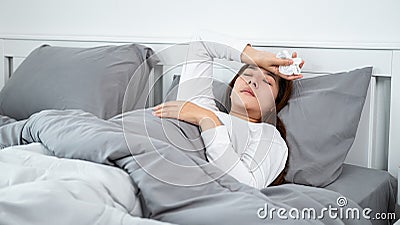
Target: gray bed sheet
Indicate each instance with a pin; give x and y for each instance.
(369, 188)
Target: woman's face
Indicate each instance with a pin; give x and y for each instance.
(254, 93)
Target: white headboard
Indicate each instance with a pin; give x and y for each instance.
(376, 145)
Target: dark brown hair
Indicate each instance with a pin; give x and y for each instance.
(284, 93)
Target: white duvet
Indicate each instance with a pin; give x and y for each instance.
(36, 188)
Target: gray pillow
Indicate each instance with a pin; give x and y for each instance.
(91, 79)
(321, 120)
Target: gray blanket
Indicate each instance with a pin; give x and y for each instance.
(165, 160)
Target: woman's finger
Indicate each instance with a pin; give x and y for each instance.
(275, 70)
(159, 106)
(295, 76)
(159, 110)
(290, 77)
(280, 62)
(165, 113)
(169, 112)
(156, 112)
(294, 55)
(162, 105)
(301, 64)
(161, 113)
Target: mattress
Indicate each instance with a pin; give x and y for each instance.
(370, 188)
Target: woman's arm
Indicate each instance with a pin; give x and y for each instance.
(196, 79)
(254, 167)
(189, 112)
(219, 149)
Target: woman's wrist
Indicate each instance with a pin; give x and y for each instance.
(249, 55)
(209, 121)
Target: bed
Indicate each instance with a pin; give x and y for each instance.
(55, 177)
(368, 187)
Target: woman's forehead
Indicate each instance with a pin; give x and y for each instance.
(261, 71)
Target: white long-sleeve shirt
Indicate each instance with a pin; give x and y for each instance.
(252, 153)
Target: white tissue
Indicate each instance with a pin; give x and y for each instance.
(291, 69)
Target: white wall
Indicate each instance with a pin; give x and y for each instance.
(308, 20)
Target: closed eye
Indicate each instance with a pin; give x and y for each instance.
(269, 83)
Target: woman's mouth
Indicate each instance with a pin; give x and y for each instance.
(248, 92)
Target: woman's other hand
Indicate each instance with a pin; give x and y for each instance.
(188, 112)
(268, 61)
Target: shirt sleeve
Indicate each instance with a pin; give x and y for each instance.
(220, 152)
(256, 167)
(196, 79)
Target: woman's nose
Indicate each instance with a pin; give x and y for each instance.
(253, 82)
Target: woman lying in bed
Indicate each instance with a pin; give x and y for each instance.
(241, 143)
